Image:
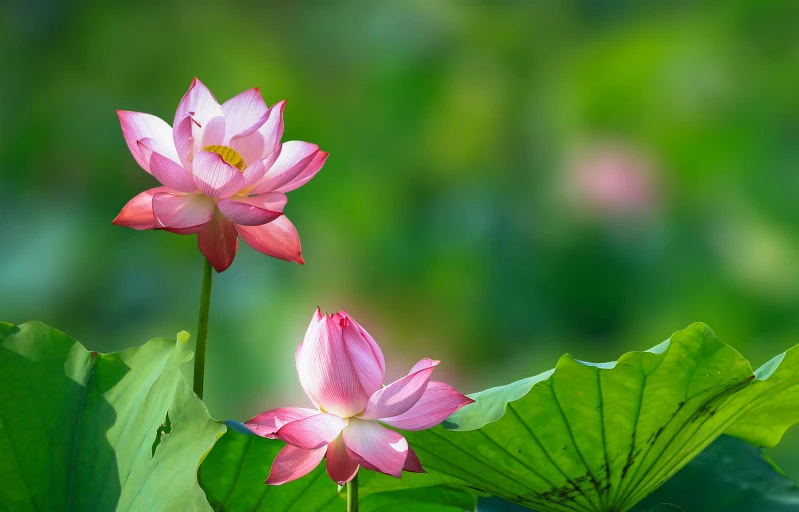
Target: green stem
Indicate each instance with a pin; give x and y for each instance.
(202, 329)
(352, 495)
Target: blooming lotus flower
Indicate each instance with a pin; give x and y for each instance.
(341, 369)
(224, 174)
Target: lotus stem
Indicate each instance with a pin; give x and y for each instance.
(352, 495)
(202, 329)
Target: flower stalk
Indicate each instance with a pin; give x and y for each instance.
(352, 495)
(202, 329)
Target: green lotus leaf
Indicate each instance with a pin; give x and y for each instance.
(234, 472)
(601, 437)
(729, 475)
(82, 431)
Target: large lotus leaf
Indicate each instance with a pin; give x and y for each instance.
(730, 475)
(770, 403)
(234, 472)
(233, 477)
(597, 437)
(423, 499)
(82, 431)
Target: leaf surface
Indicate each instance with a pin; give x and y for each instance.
(601, 437)
(85, 431)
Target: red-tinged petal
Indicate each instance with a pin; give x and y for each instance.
(305, 176)
(138, 213)
(340, 467)
(377, 446)
(400, 395)
(412, 463)
(294, 157)
(245, 113)
(169, 173)
(366, 356)
(218, 242)
(252, 211)
(311, 432)
(137, 126)
(326, 372)
(269, 422)
(292, 463)
(182, 214)
(278, 239)
(199, 103)
(215, 177)
(255, 171)
(438, 403)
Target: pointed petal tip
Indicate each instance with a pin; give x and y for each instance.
(273, 481)
(220, 269)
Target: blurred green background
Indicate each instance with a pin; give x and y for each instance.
(507, 181)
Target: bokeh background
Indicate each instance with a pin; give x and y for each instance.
(507, 181)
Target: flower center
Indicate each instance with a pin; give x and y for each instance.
(229, 155)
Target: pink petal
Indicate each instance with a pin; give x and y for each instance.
(218, 242)
(138, 213)
(412, 463)
(422, 364)
(278, 239)
(377, 446)
(137, 126)
(311, 432)
(244, 113)
(169, 173)
(183, 135)
(199, 103)
(253, 211)
(438, 403)
(213, 134)
(197, 107)
(184, 214)
(255, 171)
(272, 129)
(340, 467)
(250, 147)
(293, 463)
(269, 422)
(261, 143)
(305, 176)
(325, 369)
(215, 177)
(366, 356)
(294, 157)
(400, 395)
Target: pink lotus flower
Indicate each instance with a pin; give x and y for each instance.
(341, 369)
(224, 173)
